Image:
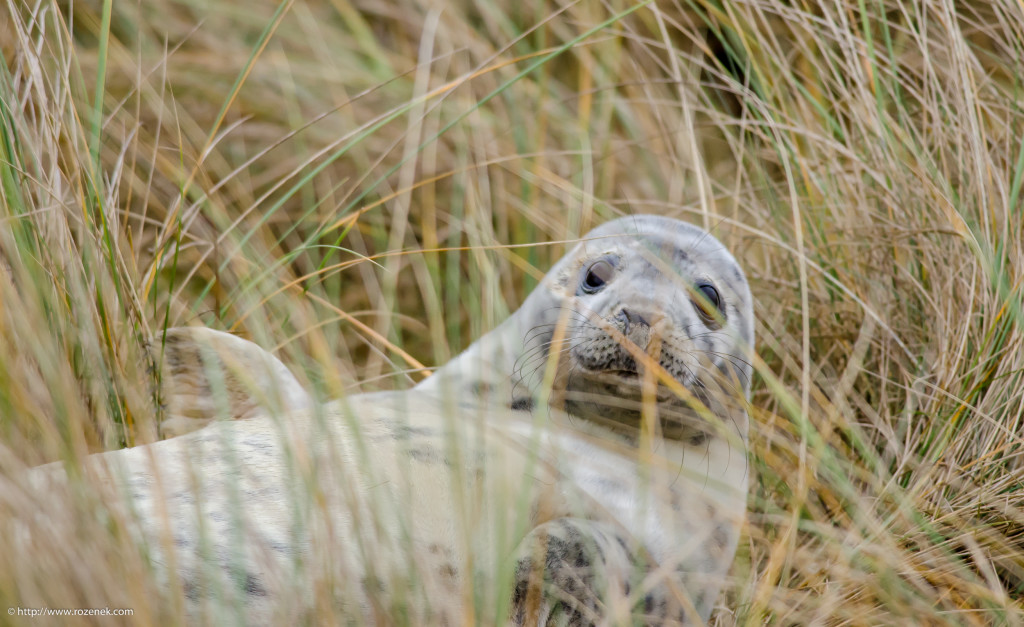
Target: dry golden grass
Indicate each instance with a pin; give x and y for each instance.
(354, 184)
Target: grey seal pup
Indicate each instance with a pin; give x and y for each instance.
(584, 463)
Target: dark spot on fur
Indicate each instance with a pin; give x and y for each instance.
(448, 570)
(698, 438)
(373, 585)
(426, 454)
(622, 542)
(720, 537)
(523, 403)
(610, 484)
(675, 501)
(582, 561)
(283, 549)
(405, 432)
(253, 587)
(439, 550)
(656, 605)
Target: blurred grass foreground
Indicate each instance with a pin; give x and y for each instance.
(366, 186)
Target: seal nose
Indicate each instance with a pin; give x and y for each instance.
(636, 325)
(631, 317)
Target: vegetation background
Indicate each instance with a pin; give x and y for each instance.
(364, 186)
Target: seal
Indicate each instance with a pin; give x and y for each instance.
(584, 463)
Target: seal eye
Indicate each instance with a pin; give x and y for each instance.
(710, 305)
(597, 276)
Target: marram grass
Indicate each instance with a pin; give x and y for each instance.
(365, 187)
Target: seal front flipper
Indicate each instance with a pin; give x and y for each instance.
(207, 374)
(584, 572)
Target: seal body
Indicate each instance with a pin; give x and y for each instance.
(582, 464)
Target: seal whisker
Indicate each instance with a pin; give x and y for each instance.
(539, 358)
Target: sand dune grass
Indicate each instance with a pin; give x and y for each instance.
(365, 187)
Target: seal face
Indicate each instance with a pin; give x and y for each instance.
(661, 293)
(644, 326)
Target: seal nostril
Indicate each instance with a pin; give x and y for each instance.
(631, 318)
(634, 318)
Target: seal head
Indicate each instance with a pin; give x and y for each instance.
(643, 307)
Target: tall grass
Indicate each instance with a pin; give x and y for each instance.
(366, 187)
